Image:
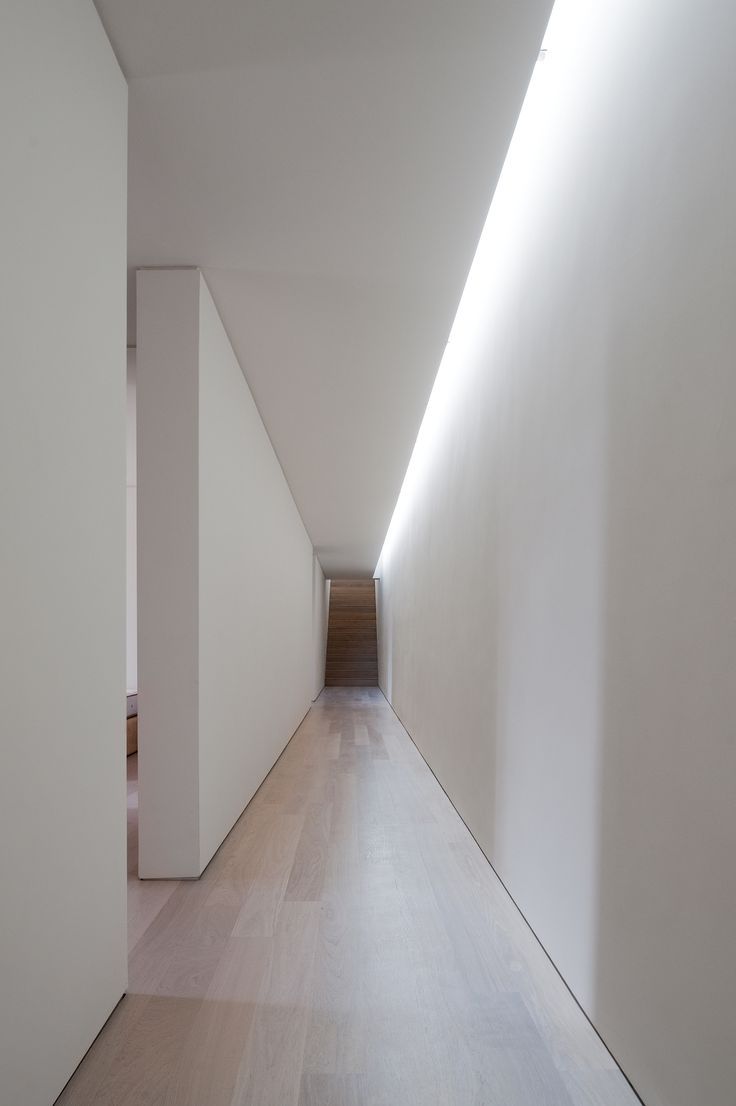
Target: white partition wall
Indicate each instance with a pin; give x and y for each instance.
(226, 653)
(556, 597)
(63, 106)
(167, 392)
(255, 592)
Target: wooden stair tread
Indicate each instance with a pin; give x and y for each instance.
(352, 648)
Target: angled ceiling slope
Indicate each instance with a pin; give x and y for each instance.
(329, 164)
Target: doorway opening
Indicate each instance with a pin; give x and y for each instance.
(352, 646)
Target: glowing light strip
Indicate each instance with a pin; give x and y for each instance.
(495, 254)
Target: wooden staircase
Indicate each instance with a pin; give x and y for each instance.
(352, 649)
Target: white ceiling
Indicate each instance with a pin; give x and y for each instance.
(329, 164)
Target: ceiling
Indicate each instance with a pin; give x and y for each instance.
(329, 165)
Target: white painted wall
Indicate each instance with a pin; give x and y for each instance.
(131, 529)
(226, 663)
(255, 592)
(168, 572)
(556, 601)
(63, 104)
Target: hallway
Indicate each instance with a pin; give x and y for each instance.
(348, 944)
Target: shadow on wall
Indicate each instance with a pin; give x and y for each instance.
(666, 862)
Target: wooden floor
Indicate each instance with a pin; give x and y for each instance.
(349, 944)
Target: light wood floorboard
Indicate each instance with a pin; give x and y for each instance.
(349, 945)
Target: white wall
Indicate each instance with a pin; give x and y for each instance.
(255, 592)
(226, 657)
(167, 387)
(131, 554)
(63, 104)
(556, 600)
